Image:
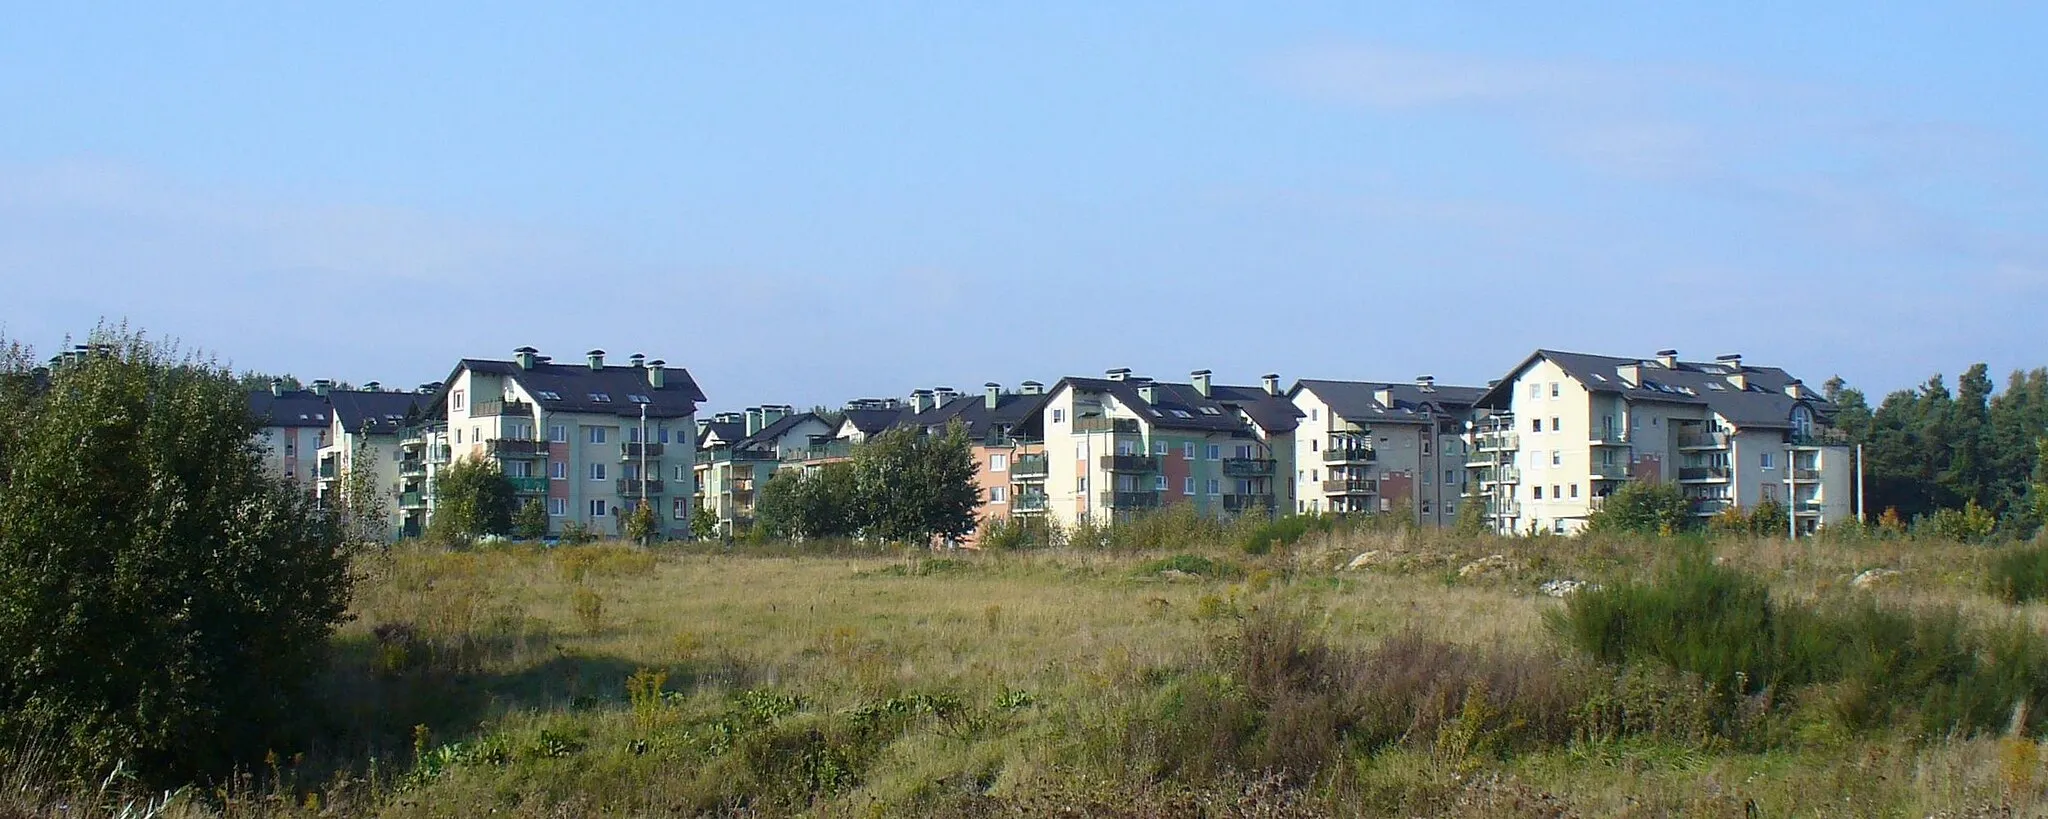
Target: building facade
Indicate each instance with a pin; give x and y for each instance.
(737, 453)
(1367, 447)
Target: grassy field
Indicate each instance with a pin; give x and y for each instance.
(1426, 680)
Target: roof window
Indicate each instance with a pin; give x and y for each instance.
(548, 395)
(1211, 411)
(601, 397)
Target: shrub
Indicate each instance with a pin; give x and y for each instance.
(164, 600)
(1191, 564)
(1285, 531)
(1016, 534)
(1970, 524)
(1642, 507)
(2020, 573)
(472, 498)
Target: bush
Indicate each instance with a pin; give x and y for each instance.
(1285, 531)
(472, 499)
(1016, 534)
(1970, 524)
(1191, 564)
(2020, 573)
(164, 600)
(1642, 507)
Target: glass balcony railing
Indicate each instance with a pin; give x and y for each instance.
(1130, 463)
(1029, 466)
(1248, 467)
(529, 486)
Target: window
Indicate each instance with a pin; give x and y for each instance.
(1428, 478)
(1215, 452)
(632, 435)
(1180, 413)
(1557, 526)
(1535, 425)
(639, 399)
(1555, 423)
(1535, 390)
(1211, 411)
(1312, 415)
(548, 395)
(664, 436)
(597, 508)
(1159, 483)
(1450, 476)
(680, 509)
(476, 434)
(1059, 416)
(1126, 448)
(458, 436)
(1555, 492)
(682, 473)
(1425, 507)
(1553, 389)
(456, 398)
(601, 397)
(1187, 485)
(1575, 490)
(1315, 475)
(1215, 487)
(998, 463)
(558, 507)
(1538, 490)
(1159, 448)
(558, 433)
(597, 472)
(998, 494)
(1556, 457)
(1766, 460)
(1246, 452)
(1187, 451)
(519, 469)
(1311, 444)
(1425, 446)
(523, 432)
(597, 435)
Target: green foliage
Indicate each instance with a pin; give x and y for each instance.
(2020, 573)
(531, 521)
(472, 499)
(1642, 507)
(1192, 564)
(916, 488)
(1285, 531)
(805, 505)
(641, 524)
(574, 533)
(1770, 519)
(1016, 534)
(164, 601)
(362, 508)
(1927, 449)
(703, 523)
(1970, 524)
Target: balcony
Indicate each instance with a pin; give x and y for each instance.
(490, 409)
(1510, 509)
(1818, 438)
(1140, 499)
(1610, 437)
(1498, 442)
(1241, 504)
(412, 467)
(1130, 463)
(1028, 503)
(1248, 467)
(326, 471)
(632, 451)
(412, 500)
(1100, 424)
(1350, 455)
(1610, 472)
(1697, 474)
(1809, 508)
(441, 455)
(1805, 473)
(1703, 440)
(1710, 506)
(516, 448)
(1351, 486)
(631, 487)
(1506, 474)
(1028, 467)
(529, 486)
(836, 450)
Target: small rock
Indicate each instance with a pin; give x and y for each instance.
(1564, 588)
(1363, 560)
(1873, 578)
(1483, 565)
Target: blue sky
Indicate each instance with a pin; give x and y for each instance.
(817, 202)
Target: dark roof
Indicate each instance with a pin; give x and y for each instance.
(1763, 404)
(1273, 413)
(574, 384)
(973, 411)
(1360, 401)
(383, 412)
(295, 408)
(768, 434)
(726, 431)
(877, 421)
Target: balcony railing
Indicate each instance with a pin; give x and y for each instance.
(1608, 437)
(831, 451)
(1703, 473)
(529, 486)
(1819, 438)
(441, 455)
(516, 448)
(1610, 472)
(1248, 503)
(631, 450)
(631, 487)
(1352, 454)
(1351, 486)
(1031, 502)
(326, 471)
(1805, 473)
(1101, 424)
(1248, 467)
(1028, 466)
(411, 500)
(1710, 506)
(412, 467)
(1498, 441)
(1139, 499)
(1130, 463)
(1809, 508)
(487, 409)
(1510, 509)
(1505, 474)
(1703, 440)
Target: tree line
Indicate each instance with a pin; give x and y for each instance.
(1928, 449)
(902, 485)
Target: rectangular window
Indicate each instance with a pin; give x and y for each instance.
(1766, 460)
(1425, 446)
(1215, 452)
(1450, 476)
(998, 494)
(597, 435)
(1535, 425)
(1427, 478)
(1126, 448)
(1159, 483)
(1159, 448)
(1553, 389)
(597, 508)
(1187, 451)
(1535, 390)
(1312, 415)
(682, 473)
(1538, 490)
(476, 435)
(680, 509)
(1556, 492)
(1555, 423)
(559, 433)
(519, 469)
(1059, 416)
(456, 398)
(632, 435)
(597, 472)
(998, 463)
(1575, 490)
(1187, 485)
(1215, 487)
(458, 436)
(1556, 457)
(558, 507)
(1311, 444)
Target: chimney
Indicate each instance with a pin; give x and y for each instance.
(944, 395)
(730, 418)
(596, 359)
(992, 395)
(1733, 360)
(1033, 388)
(373, 386)
(1668, 358)
(772, 413)
(753, 420)
(920, 400)
(1795, 388)
(1384, 395)
(524, 357)
(657, 373)
(1148, 393)
(1632, 374)
(322, 386)
(1201, 379)
(637, 360)
(276, 387)
(1119, 374)
(429, 388)
(1272, 383)
(1426, 383)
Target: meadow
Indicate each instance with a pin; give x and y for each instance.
(1355, 671)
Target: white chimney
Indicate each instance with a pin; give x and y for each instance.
(1033, 388)
(524, 357)
(596, 359)
(657, 373)
(277, 387)
(1201, 379)
(1272, 383)
(1119, 374)
(992, 395)
(1668, 358)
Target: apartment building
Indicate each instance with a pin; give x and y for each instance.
(738, 452)
(1376, 447)
(1008, 445)
(293, 427)
(591, 440)
(366, 432)
(1562, 430)
(1123, 444)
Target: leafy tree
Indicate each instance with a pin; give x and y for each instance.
(704, 523)
(164, 600)
(531, 521)
(917, 488)
(1770, 519)
(820, 503)
(252, 380)
(361, 506)
(641, 525)
(472, 499)
(1642, 507)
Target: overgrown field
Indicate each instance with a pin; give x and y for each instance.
(1350, 673)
